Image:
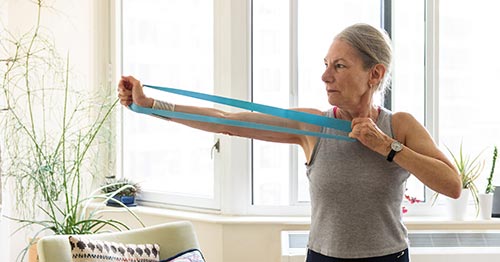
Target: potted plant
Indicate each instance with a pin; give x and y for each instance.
(122, 192)
(54, 135)
(469, 169)
(489, 187)
(486, 199)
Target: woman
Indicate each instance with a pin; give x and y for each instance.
(356, 187)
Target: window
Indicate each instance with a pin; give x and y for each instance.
(408, 77)
(468, 86)
(169, 43)
(271, 52)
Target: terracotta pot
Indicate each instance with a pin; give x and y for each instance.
(33, 252)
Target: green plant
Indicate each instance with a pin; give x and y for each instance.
(54, 134)
(469, 170)
(489, 187)
(121, 187)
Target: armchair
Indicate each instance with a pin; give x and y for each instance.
(173, 238)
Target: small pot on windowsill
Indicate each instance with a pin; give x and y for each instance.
(485, 205)
(128, 201)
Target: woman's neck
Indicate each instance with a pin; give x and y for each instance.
(347, 114)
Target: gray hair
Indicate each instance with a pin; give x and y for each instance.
(374, 47)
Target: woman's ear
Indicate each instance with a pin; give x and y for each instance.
(377, 73)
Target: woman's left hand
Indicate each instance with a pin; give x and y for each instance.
(368, 133)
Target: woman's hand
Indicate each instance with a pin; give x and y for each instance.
(368, 133)
(130, 91)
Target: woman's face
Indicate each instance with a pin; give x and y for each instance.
(347, 82)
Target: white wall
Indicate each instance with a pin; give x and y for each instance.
(224, 238)
(71, 25)
(250, 239)
(3, 228)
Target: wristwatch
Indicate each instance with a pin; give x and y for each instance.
(395, 148)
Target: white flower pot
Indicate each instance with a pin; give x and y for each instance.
(457, 208)
(485, 205)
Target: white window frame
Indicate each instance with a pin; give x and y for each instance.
(170, 199)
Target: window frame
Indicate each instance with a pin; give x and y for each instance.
(155, 198)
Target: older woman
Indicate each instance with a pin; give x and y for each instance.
(356, 187)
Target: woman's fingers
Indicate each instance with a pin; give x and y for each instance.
(125, 92)
(367, 132)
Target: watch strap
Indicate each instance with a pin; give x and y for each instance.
(391, 155)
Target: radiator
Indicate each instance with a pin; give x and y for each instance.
(425, 246)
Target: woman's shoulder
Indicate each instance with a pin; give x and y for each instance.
(403, 123)
(397, 115)
(403, 117)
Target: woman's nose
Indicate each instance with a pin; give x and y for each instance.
(327, 75)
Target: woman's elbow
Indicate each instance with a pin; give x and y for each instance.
(456, 192)
(455, 189)
(455, 185)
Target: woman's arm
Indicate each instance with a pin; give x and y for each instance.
(130, 90)
(420, 155)
(246, 117)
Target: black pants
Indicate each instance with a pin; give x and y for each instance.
(401, 256)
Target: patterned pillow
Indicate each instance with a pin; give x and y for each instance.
(91, 250)
(192, 255)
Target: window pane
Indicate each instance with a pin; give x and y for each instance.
(408, 78)
(168, 42)
(468, 69)
(318, 22)
(271, 166)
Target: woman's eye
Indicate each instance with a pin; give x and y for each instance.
(339, 66)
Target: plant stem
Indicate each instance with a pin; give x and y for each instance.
(27, 66)
(490, 188)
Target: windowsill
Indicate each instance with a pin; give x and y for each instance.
(412, 222)
(444, 220)
(221, 219)
(443, 223)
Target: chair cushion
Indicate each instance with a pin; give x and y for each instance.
(90, 250)
(192, 255)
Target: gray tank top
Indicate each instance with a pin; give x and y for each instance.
(356, 198)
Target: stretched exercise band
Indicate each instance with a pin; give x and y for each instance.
(318, 120)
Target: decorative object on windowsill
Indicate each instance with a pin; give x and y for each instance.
(58, 133)
(486, 199)
(411, 200)
(121, 192)
(469, 169)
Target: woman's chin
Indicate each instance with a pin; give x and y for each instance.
(332, 100)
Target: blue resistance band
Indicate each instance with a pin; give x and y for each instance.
(313, 119)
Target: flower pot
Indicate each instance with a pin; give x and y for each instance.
(457, 208)
(485, 205)
(126, 200)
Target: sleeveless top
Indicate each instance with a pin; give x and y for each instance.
(356, 197)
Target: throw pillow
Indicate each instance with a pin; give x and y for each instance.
(192, 255)
(90, 250)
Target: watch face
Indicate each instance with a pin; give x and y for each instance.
(396, 146)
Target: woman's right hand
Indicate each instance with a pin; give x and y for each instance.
(130, 91)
